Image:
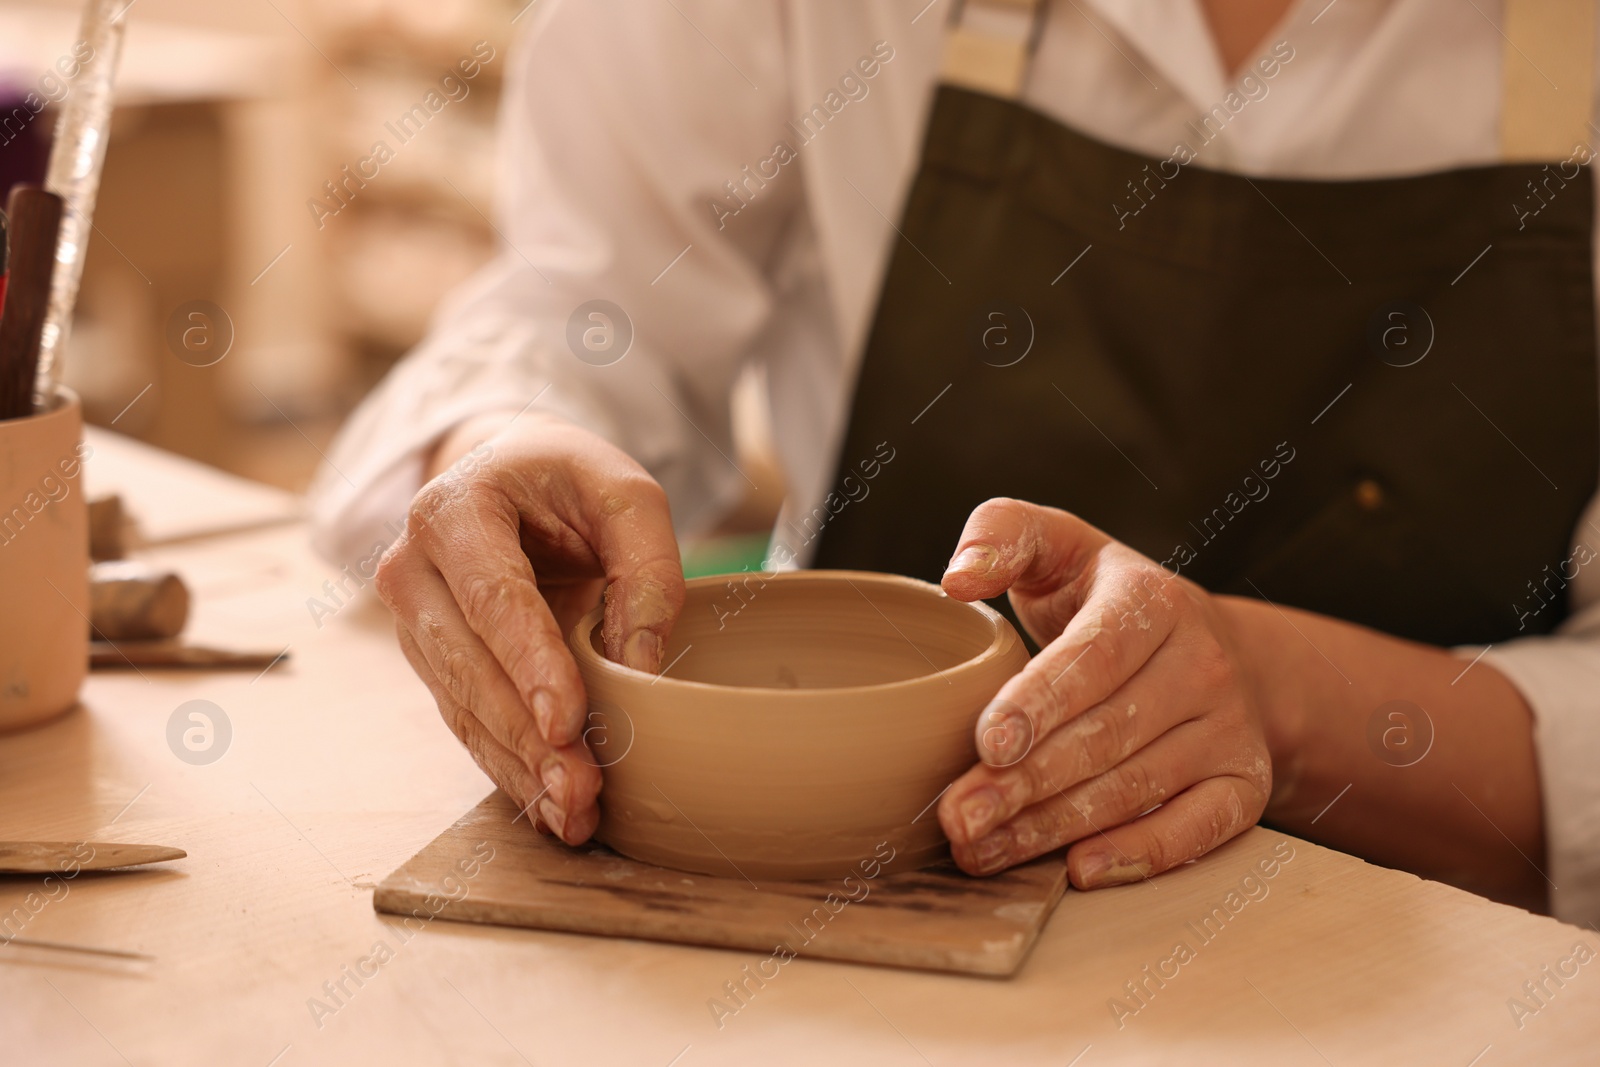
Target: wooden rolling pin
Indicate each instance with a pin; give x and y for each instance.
(134, 601)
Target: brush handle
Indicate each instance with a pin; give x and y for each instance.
(77, 156)
(35, 223)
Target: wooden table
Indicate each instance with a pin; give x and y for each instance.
(339, 769)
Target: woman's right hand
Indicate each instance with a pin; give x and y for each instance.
(502, 553)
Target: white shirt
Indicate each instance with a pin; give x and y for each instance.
(623, 122)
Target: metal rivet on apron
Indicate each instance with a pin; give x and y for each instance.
(1369, 494)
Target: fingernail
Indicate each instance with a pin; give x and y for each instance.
(976, 560)
(553, 816)
(554, 777)
(1005, 732)
(990, 851)
(544, 713)
(642, 651)
(1102, 869)
(978, 811)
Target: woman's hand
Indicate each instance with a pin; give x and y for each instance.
(502, 553)
(1137, 701)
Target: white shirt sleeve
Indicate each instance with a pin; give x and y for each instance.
(608, 177)
(1559, 676)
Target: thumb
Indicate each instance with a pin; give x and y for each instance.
(644, 575)
(1012, 544)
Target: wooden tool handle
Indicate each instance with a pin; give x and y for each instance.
(133, 601)
(124, 655)
(35, 223)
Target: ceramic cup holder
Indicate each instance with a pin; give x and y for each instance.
(44, 564)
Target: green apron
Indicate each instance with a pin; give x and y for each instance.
(1374, 400)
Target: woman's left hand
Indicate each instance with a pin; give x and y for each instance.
(1133, 736)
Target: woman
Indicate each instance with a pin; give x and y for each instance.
(1248, 343)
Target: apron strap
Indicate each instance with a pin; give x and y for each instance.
(988, 45)
(1547, 78)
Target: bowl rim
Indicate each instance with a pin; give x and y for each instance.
(579, 643)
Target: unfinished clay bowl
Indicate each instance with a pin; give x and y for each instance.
(803, 722)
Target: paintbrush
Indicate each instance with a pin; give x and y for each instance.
(55, 857)
(35, 223)
(77, 157)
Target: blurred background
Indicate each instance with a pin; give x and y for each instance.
(231, 119)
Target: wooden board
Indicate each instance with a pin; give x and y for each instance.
(937, 919)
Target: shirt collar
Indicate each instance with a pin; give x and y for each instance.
(1167, 40)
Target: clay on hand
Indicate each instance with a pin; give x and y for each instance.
(502, 551)
(1133, 737)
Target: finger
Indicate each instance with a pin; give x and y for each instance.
(472, 535)
(631, 530)
(1012, 544)
(1097, 653)
(1168, 766)
(506, 769)
(1191, 753)
(1184, 828)
(1087, 745)
(562, 794)
(1116, 608)
(457, 657)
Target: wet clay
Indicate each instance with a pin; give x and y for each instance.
(805, 723)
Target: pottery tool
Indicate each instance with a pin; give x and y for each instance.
(87, 950)
(76, 160)
(136, 613)
(130, 600)
(936, 919)
(54, 857)
(129, 654)
(34, 224)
